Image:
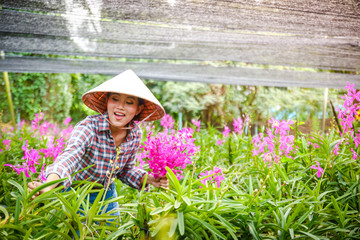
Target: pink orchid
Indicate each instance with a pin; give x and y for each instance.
(320, 170)
(197, 124)
(238, 125)
(7, 143)
(67, 121)
(31, 159)
(354, 154)
(226, 131)
(167, 122)
(36, 121)
(220, 142)
(173, 150)
(276, 143)
(218, 176)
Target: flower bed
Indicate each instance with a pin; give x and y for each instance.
(224, 184)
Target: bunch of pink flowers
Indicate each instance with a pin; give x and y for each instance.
(31, 158)
(174, 150)
(238, 124)
(276, 144)
(53, 148)
(348, 115)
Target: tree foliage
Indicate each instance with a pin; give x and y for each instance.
(59, 96)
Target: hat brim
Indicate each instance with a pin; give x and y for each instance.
(125, 83)
(97, 101)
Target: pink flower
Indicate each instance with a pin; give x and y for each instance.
(281, 127)
(67, 121)
(226, 131)
(196, 123)
(320, 170)
(6, 143)
(354, 154)
(31, 159)
(169, 150)
(276, 144)
(218, 176)
(238, 125)
(36, 121)
(42, 174)
(44, 128)
(350, 108)
(21, 124)
(167, 122)
(220, 142)
(66, 133)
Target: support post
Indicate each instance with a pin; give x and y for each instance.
(8, 93)
(326, 93)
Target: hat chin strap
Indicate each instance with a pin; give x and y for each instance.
(140, 121)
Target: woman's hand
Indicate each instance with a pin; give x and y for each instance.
(162, 182)
(33, 185)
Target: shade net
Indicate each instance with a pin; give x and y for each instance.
(318, 35)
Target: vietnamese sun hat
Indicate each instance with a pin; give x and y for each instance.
(125, 83)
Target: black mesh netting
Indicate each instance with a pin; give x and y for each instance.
(306, 34)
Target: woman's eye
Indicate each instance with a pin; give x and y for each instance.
(130, 103)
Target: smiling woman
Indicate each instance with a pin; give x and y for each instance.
(108, 141)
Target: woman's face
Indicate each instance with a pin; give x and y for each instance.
(122, 109)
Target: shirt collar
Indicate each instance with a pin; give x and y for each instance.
(103, 122)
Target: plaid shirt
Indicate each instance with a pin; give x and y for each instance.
(91, 143)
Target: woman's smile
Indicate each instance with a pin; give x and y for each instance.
(122, 109)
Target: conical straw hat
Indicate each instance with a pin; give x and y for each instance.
(125, 83)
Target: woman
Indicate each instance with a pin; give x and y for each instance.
(108, 141)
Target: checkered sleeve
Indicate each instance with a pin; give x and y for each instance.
(130, 174)
(66, 163)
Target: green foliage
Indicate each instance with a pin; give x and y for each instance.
(81, 83)
(295, 103)
(59, 96)
(255, 200)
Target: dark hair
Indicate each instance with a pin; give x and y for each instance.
(140, 100)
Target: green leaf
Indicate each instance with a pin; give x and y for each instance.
(310, 235)
(227, 225)
(156, 211)
(95, 207)
(253, 231)
(18, 186)
(291, 219)
(186, 200)
(173, 226)
(180, 221)
(167, 197)
(6, 213)
(41, 187)
(177, 204)
(168, 206)
(173, 179)
(212, 229)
